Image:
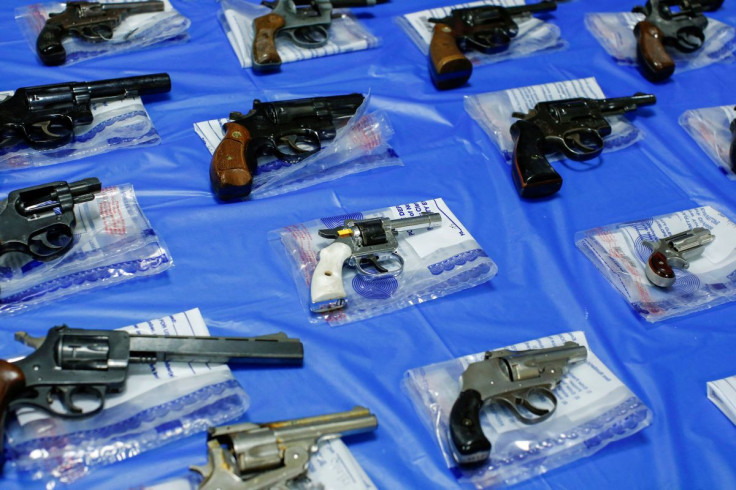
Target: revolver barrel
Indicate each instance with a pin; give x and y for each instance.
(423, 221)
(135, 7)
(619, 105)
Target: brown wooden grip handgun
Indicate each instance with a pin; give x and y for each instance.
(265, 56)
(449, 67)
(229, 172)
(12, 383)
(655, 62)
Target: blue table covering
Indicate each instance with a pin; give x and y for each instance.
(225, 265)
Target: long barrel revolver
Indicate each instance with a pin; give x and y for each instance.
(676, 23)
(488, 29)
(90, 21)
(291, 130)
(45, 116)
(69, 364)
(264, 456)
(674, 251)
(39, 221)
(515, 379)
(369, 245)
(574, 126)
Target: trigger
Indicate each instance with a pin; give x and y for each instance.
(579, 142)
(66, 400)
(291, 141)
(373, 260)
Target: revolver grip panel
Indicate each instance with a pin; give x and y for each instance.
(469, 444)
(230, 172)
(265, 55)
(530, 170)
(326, 289)
(448, 66)
(12, 383)
(654, 61)
(49, 47)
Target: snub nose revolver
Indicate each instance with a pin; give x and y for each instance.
(674, 251)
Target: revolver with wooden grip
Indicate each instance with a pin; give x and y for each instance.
(674, 251)
(676, 23)
(291, 130)
(516, 379)
(488, 29)
(574, 126)
(90, 21)
(305, 22)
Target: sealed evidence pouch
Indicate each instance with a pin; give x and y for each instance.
(117, 124)
(594, 409)
(437, 262)
(135, 31)
(113, 243)
(722, 393)
(620, 253)
(493, 111)
(711, 129)
(535, 35)
(615, 32)
(161, 403)
(361, 145)
(345, 34)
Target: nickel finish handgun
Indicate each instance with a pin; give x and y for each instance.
(265, 456)
(369, 245)
(674, 251)
(515, 379)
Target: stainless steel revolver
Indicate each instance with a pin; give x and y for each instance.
(674, 251)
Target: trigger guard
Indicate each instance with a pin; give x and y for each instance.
(581, 151)
(73, 410)
(379, 275)
(307, 41)
(541, 413)
(300, 154)
(687, 34)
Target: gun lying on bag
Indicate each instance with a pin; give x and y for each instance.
(39, 221)
(674, 251)
(265, 456)
(69, 364)
(88, 20)
(46, 115)
(291, 130)
(488, 29)
(574, 126)
(676, 23)
(366, 244)
(306, 22)
(514, 378)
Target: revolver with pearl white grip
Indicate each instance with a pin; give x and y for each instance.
(674, 251)
(515, 379)
(366, 244)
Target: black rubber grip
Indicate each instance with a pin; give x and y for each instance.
(470, 445)
(532, 173)
(49, 46)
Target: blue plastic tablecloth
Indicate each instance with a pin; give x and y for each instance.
(225, 266)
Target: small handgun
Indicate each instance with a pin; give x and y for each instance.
(676, 23)
(674, 251)
(90, 21)
(515, 379)
(488, 29)
(45, 116)
(39, 221)
(368, 245)
(266, 456)
(306, 22)
(291, 130)
(574, 126)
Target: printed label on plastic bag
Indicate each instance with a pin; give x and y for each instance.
(493, 111)
(615, 32)
(113, 242)
(345, 34)
(594, 409)
(618, 251)
(162, 402)
(135, 31)
(711, 129)
(723, 394)
(534, 34)
(436, 263)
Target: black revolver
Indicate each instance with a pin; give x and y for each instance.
(488, 29)
(89, 20)
(574, 126)
(732, 152)
(676, 23)
(39, 221)
(291, 130)
(515, 379)
(45, 116)
(72, 363)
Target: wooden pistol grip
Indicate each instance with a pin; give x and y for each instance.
(12, 383)
(265, 56)
(448, 66)
(655, 63)
(230, 173)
